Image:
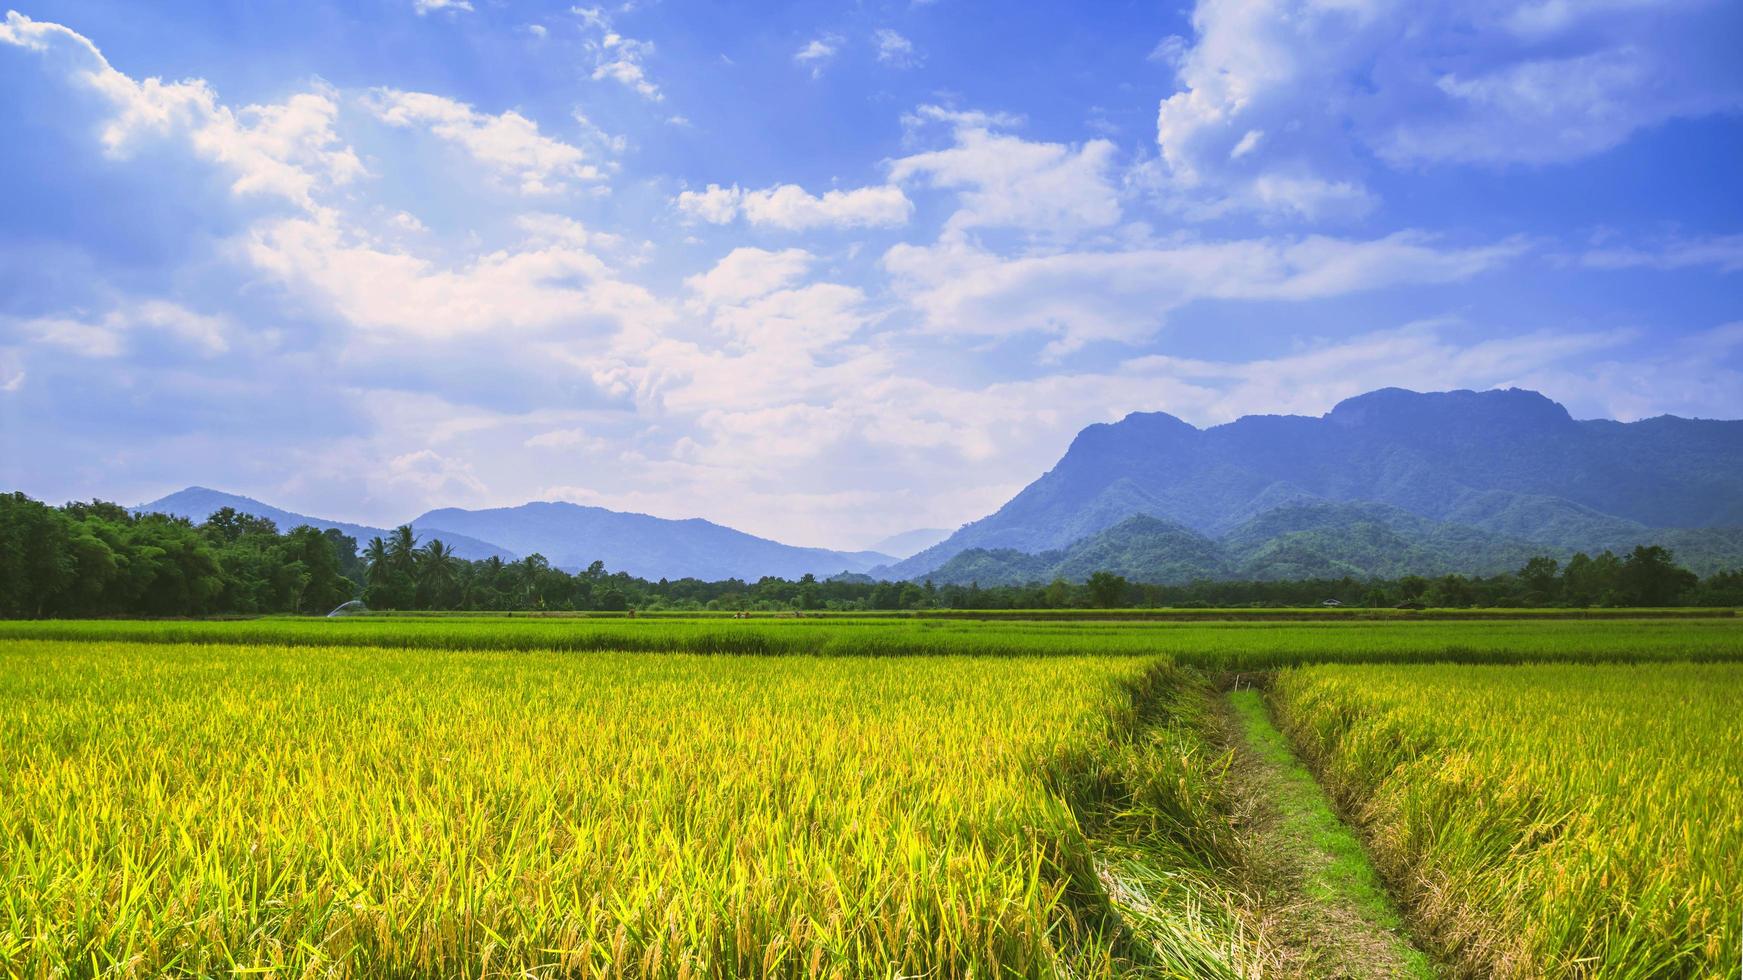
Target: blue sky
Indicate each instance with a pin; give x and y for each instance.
(826, 273)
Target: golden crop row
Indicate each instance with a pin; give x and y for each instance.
(1581, 821)
(369, 812)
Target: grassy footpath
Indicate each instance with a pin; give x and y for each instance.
(1342, 923)
(1543, 820)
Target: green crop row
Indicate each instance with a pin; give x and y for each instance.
(1221, 646)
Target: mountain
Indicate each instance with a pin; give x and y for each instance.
(1509, 464)
(908, 542)
(1297, 541)
(198, 503)
(573, 536)
(569, 536)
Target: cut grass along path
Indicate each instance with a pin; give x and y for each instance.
(1336, 917)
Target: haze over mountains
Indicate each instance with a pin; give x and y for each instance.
(198, 503)
(573, 536)
(570, 536)
(1385, 484)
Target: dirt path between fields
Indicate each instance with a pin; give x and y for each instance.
(1326, 913)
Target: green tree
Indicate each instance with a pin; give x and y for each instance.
(1107, 590)
(36, 564)
(325, 584)
(1650, 576)
(1541, 579)
(402, 549)
(375, 557)
(438, 576)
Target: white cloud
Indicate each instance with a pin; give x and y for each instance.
(557, 283)
(1126, 295)
(75, 336)
(426, 6)
(818, 52)
(1006, 181)
(570, 438)
(433, 476)
(791, 207)
(1721, 252)
(894, 49)
(616, 57)
(1311, 381)
(717, 205)
(1328, 85)
(544, 228)
(106, 337)
(289, 149)
(509, 145)
(746, 273)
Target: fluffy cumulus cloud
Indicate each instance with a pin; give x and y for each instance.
(509, 144)
(1003, 180)
(1284, 106)
(791, 207)
(288, 150)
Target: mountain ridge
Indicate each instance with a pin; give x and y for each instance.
(643, 545)
(196, 503)
(1506, 461)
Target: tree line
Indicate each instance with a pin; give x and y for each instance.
(99, 559)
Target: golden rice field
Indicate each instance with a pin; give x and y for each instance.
(369, 812)
(978, 800)
(1565, 821)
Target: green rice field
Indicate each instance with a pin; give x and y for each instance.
(850, 798)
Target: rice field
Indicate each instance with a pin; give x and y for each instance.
(1580, 821)
(1236, 646)
(844, 798)
(368, 812)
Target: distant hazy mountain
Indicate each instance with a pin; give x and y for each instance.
(198, 503)
(572, 536)
(910, 542)
(1478, 468)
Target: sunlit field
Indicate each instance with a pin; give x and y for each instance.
(370, 811)
(1222, 645)
(1546, 820)
(822, 798)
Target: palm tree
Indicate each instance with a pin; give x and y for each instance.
(402, 548)
(436, 566)
(376, 554)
